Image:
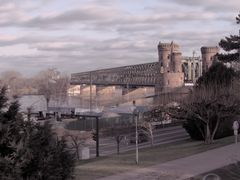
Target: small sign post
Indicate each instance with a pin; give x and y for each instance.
(235, 129)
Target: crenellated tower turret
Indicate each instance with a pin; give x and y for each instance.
(170, 61)
(165, 51)
(208, 56)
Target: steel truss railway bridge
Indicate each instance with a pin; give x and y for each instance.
(147, 74)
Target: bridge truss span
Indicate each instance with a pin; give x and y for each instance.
(135, 75)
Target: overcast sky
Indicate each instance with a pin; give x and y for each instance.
(81, 35)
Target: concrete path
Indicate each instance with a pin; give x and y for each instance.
(185, 167)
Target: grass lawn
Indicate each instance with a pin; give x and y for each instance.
(231, 172)
(106, 166)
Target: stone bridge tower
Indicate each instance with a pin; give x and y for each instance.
(170, 60)
(208, 56)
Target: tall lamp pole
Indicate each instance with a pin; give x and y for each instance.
(193, 72)
(136, 113)
(90, 104)
(97, 137)
(136, 124)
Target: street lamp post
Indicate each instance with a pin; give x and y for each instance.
(90, 104)
(136, 113)
(97, 136)
(136, 128)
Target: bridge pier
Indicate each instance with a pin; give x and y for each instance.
(127, 89)
(108, 95)
(85, 95)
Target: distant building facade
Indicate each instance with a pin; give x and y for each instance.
(192, 68)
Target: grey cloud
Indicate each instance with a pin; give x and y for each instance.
(102, 18)
(14, 15)
(67, 47)
(39, 42)
(75, 43)
(89, 60)
(27, 65)
(189, 40)
(104, 47)
(135, 40)
(156, 18)
(15, 41)
(80, 16)
(80, 54)
(95, 54)
(193, 36)
(212, 5)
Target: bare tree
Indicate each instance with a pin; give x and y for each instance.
(215, 99)
(155, 116)
(13, 80)
(52, 84)
(147, 129)
(210, 106)
(76, 141)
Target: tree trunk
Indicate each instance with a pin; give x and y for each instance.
(208, 134)
(47, 99)
(118, 147)
(151, 133)
(77, 153)
(152, 141)
(215, 129)
(200, 130)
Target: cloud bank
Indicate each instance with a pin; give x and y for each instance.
(76, 36)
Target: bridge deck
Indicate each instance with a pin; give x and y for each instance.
(136, 75)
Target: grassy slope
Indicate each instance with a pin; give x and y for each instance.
(105, 166)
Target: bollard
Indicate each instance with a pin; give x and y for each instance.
(235, 130)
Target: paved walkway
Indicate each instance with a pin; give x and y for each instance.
(185, 167)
